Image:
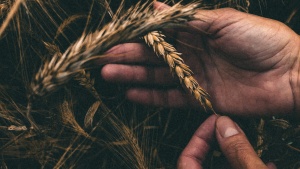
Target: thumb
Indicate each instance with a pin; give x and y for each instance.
(235, 145)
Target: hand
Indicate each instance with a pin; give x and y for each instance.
(248, 64)
(232, 141)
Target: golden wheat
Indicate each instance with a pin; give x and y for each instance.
(19, 144)
(260, 137)
(68, 119)
(178, 67)
(85, 80)
(127, 137)
(67, 22)
(137, 21)
(10, 15)
(89, 117)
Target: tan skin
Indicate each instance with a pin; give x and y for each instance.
(234, 146)
(248, 64)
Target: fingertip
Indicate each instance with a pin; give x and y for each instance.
(195, 152)
(235, 145)
(226, 127)
(108, 72)
(271, 165)
(131, 94)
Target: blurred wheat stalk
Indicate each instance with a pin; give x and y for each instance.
(62, 67)
(137, 21)
(65, 140)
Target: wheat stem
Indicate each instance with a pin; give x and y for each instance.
(260, 137)
(85, 80)
(10, 15)
(30, 119)
(136, 22)
(68, 119)
(178, 67)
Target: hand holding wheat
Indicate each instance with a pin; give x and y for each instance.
(248, 64)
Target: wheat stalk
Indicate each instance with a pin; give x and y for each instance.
(65, 24)
(126, 137)
(178, 67)
(137, 21)
(68, 119)
(3, 9)
(82, 76)
(85, 80)
(260, 137)
(10, 15)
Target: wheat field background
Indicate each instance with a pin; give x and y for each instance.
(77, 120)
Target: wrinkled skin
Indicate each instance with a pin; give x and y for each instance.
(248, 64)
(232, 141)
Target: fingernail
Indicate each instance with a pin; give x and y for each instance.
(226, 127)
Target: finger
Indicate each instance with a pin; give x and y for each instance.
(130, 53)
(137, 74)
(175, 98)
(235, 146)
(271, 166)
(194, 153)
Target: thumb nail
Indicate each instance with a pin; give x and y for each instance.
(226, 127)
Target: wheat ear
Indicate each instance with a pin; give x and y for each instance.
(85, 80)
(178, 67)
(68, 119)
(136, 22)
(260, 137)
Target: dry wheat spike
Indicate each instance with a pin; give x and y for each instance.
(178, 67)
(260, 137)
(139, 20)
(85, 80)
(69, 120)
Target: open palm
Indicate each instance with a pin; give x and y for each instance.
(247, 64)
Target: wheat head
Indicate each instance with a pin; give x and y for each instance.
(85, 80)
(137, 21)
(155, 39)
